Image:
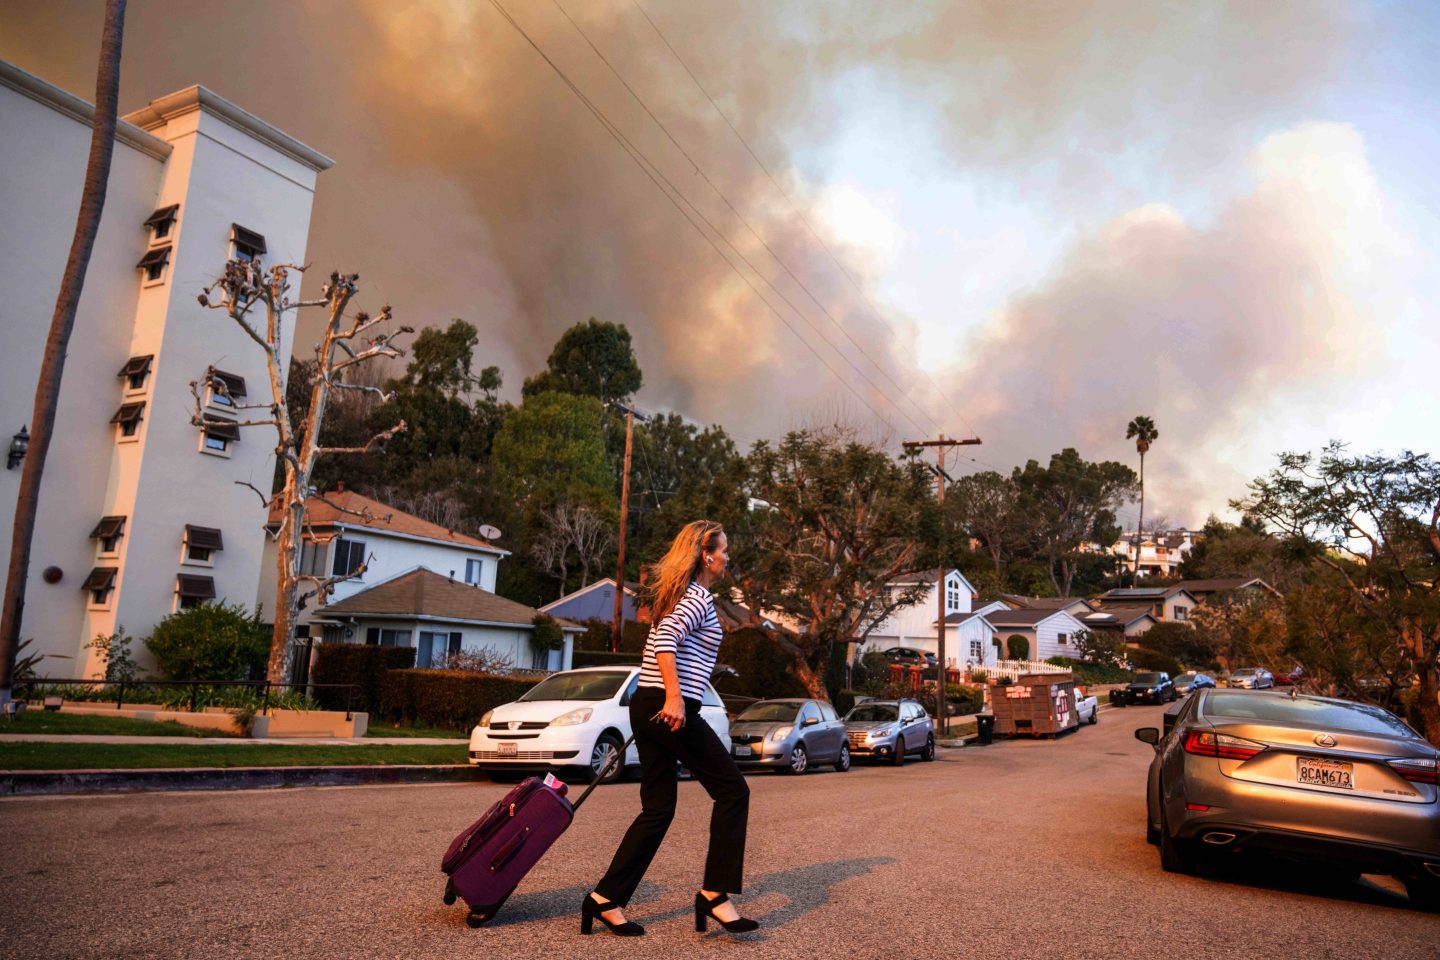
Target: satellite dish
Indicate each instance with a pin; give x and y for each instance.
(489, 532)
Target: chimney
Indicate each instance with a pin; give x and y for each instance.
(452, 576)
(340, 487)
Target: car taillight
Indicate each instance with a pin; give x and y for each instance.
(1418, 771)
(1206, 744)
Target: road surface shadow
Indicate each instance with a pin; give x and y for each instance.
(552, 904)
(1287, 876)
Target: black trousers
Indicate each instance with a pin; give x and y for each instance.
(697, 747)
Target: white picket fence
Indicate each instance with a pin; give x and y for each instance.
(1015, 669)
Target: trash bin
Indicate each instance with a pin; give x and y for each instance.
(984, 728)
(1119, 697)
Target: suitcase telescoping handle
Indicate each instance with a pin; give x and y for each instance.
(604, 772)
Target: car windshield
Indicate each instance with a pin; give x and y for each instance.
(589, 685)
(1317, 714)
(1185, 678)
(876, 714)
(759, 712)
(1147, 678)
(1247, 672)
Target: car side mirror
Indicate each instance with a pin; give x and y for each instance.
(810, 722)
(1150, 735)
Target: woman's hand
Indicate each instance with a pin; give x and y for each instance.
(673, 713)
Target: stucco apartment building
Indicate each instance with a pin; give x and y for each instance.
(140, 513)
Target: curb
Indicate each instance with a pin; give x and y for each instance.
(21, 783)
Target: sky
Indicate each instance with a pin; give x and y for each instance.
(1023, 221)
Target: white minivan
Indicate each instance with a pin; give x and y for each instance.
(578, 718)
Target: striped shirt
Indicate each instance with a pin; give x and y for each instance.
(692, 633)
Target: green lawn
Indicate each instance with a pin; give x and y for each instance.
(96, 756)
(390, 730)
(40, 721)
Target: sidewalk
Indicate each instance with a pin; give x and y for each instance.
(240, 741)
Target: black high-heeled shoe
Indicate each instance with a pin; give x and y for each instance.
(705, 912)
(592, 910)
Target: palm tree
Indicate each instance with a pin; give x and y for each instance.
(62, 323)
(1144, 432)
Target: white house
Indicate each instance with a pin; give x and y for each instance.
(139, 512)
(346, 529)
(1172, 604)
(915, 625)
(439, 615)
(970, 639)
(1050, 633)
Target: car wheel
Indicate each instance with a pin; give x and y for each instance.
(1095, 715)
(843, 764)
(1176, 855)
(799, 760)
(1152, 835)
(899, 758)
(606, 749)
(1424, 894)
(929, 753)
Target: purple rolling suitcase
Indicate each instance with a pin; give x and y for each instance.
(491, 856)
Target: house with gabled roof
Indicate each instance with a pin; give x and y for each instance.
(596, 601)
(1075, 606)
(915, 626)
(1050, 633)
(1203, 590)
(438, 616)
(1172, 604)
(1130, 622)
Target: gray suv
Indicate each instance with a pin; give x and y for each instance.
(790, 736)
(890, 730)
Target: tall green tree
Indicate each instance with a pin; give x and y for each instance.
(839, 521)
(591, 359)
(62, 324)
(1142, 431)
(1073, 502)
(1373, 521)
(988, 506)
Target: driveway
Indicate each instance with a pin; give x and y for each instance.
(1024, 849)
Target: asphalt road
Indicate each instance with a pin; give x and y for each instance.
(1019, 850)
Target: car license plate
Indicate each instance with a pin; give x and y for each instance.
(506, 749)
(1326, 773)
(743, 750)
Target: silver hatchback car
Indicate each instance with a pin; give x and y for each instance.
(790, 736)
(890, 730)
(1346, 784)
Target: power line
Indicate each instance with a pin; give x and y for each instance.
(656, 177)
(752, 231)
(874, 309)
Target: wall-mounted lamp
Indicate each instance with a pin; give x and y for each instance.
(18, 445)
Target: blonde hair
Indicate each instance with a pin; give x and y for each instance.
(680, 565)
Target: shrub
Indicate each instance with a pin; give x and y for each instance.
(1143, 659)
(966, 699)
(979, 676)
(214, 641)
(1018, 646)
(871, 665)
(114, 653)
(844, 700)
(1088, 673)
(359, 664)
(1101, 648)
(763, 668)
(445, 698)
(545, 633)
(484, 660)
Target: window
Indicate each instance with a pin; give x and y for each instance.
(977, 651)
(425, 649)
(225, 388)
(136, 371)
(312, 559)
(473, 570)
(109, 531)
(454, 646)
(387, 638)
(952, 596)
(540, 660)
(153, 264)
(128, 418)
(247, 244)
(193, 591)
(349, 557)
(808, 712)
(827, 713)
(218, 434)
(162, 221)
(99, 584)
(1182, 613)
(201, 544)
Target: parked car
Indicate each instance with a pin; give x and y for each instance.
(1152, 686)
(1292, 677)
(1348, 785)
(910, 657)
(578, 718)
(1250, 678)
(790, 736)
(1188, 683)
(1087, 707)
(890, 729)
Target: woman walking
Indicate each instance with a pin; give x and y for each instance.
(665, 716)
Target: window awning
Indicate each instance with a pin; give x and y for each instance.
(129, 413)
(163, 215)
(222, 428)
(198, 588)
(155, 258)
(136, 366)
(107, 528)
(248, 238)
(233, 383)
(207, 537)
(101, 578)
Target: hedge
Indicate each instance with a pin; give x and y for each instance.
(446, 698)
(1090, 673)
(966, 699)
(1143, 659)
(356, 663)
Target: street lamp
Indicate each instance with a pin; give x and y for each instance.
(18, 445)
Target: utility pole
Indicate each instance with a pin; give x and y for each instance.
(618, 622)
(941, 445)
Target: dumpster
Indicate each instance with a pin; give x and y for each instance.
(1036, 705)
(984, 728)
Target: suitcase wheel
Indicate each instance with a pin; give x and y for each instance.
(475, 920)
(449, 894)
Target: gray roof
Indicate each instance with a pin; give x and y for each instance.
(1018, 618)
(425, 593)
